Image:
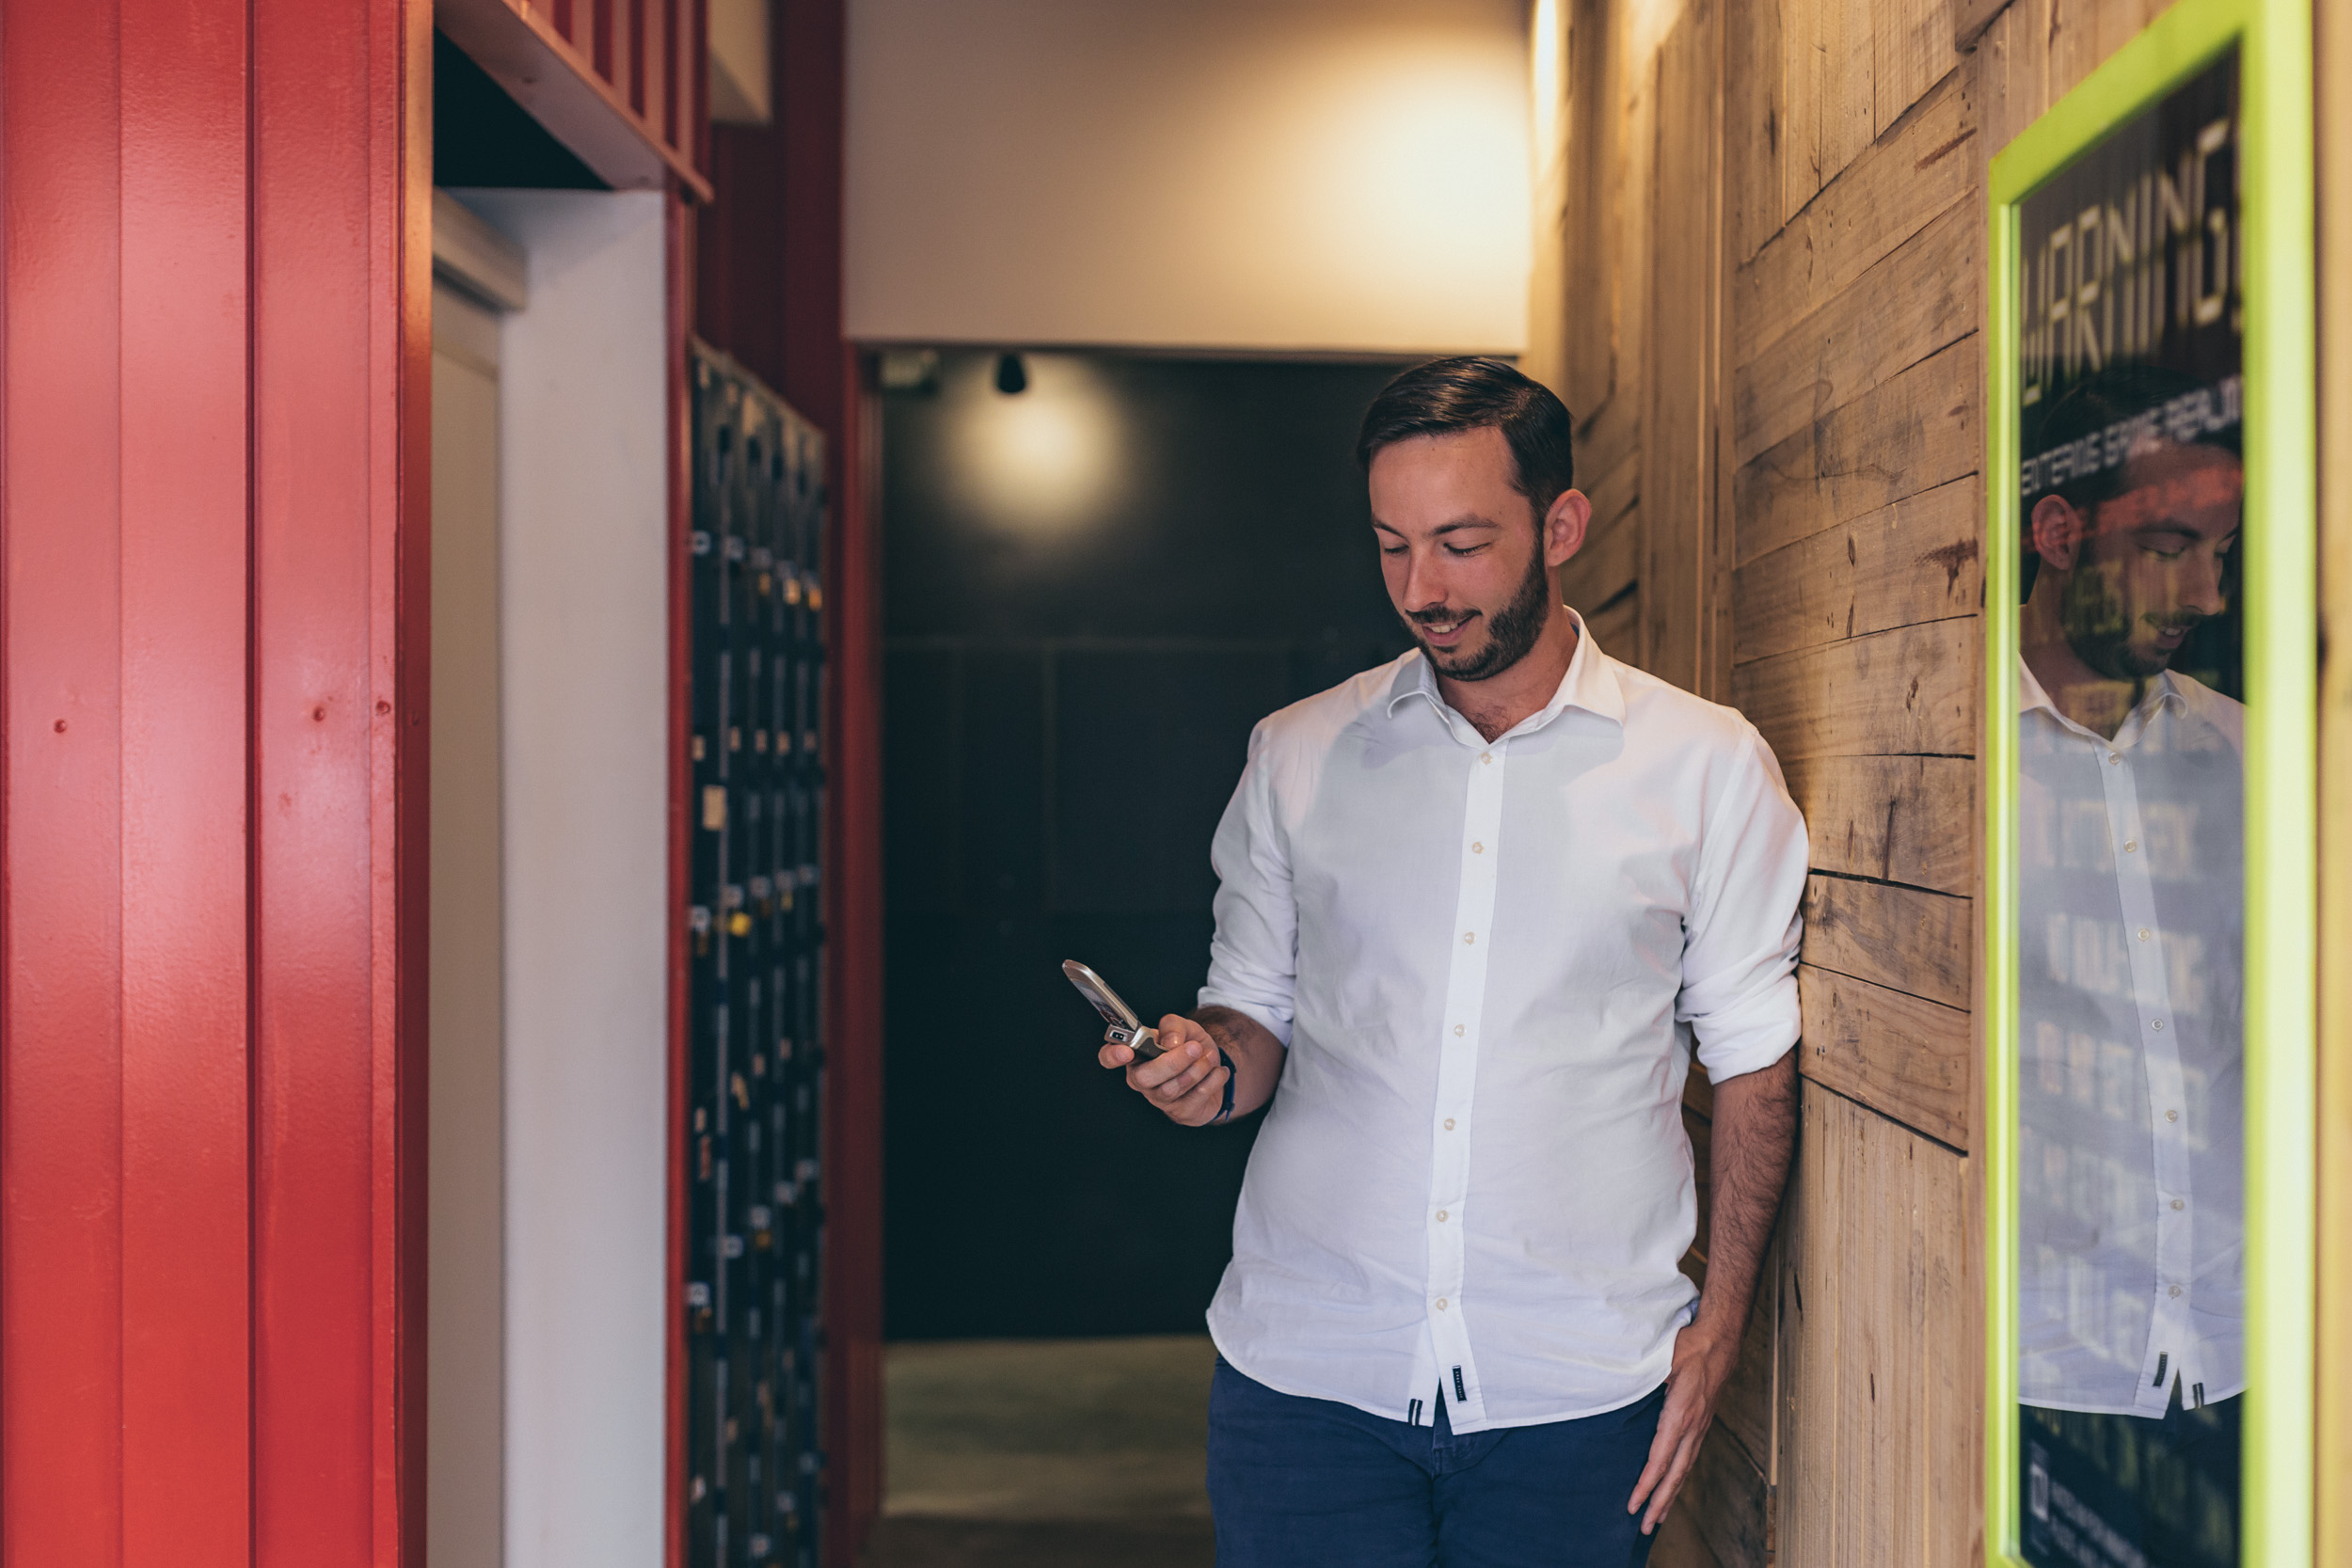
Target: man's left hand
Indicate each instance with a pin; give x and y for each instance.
(1704, 1359)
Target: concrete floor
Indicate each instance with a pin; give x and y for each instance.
(1047, 1454)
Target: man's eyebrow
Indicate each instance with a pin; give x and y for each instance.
(1456, 526)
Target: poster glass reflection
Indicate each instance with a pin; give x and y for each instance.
(2120, 679)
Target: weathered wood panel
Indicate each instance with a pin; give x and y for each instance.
(1897, 819)
(1607, 566)
(1911, 691)
(1891, 193)
(1729, 1501)
(1614, 493)
(1755, 126)
(1916, 431)
(1922, 298)
(1915, 561)
(1878, 1344)
(1906, 1057)
(1903, 939)
(1826, 60)
(1590, 209)
(1608, 432)
(1680, 591)
(1913, 41)
(1678, 1545)
(1618, 625)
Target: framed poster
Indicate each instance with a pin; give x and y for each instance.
(2150, 781)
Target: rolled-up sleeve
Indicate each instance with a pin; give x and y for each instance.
(1254, 957)
(1740, 943)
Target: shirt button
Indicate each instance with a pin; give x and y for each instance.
(1441, 1216)
(2143, 933)
(2158, 1025)
(1470, 936)
(1457, 1035)
(2176, 1203)
(1476, 848)
(2169, 1290)
(2171, 1116)
(1449, 1124)
(2113, 759)
(2130, 846)
(2176, 1290)
(1486, 756)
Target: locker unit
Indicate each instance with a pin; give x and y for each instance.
(754, 1331)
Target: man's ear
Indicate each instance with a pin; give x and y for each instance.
(1564, 527)
(2057, 533)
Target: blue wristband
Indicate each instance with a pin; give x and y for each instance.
(1227, 1114)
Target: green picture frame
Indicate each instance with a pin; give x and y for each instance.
(2281, 663)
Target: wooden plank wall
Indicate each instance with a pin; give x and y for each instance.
(1766, 219)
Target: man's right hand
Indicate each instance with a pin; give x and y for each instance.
(1186, 1081)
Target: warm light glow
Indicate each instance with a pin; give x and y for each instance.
(1546, 57)
(1225, 174)
(1045, 461)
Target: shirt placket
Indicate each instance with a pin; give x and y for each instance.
(1457, 1082)
(2169, 1351)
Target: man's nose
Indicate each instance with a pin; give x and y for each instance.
(2199, 584)
(1424, 582)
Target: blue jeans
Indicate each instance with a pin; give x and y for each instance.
(1300, 1483)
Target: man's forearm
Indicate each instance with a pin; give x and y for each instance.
(1257, 1055)
(1756, 1131)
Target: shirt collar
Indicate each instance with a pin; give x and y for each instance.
(1591, 683)
(2162, 693)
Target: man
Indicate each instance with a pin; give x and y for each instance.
(2131, 830)
(1474, 907)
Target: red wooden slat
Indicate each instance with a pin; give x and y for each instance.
(333, 720)
(696, 143)
(403, 621)
(600, 25)
(636, 65)
(60, 932)
(212, 270)
(675, 49)
(185, 1399)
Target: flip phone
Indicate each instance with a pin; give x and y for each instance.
(1123, 1027)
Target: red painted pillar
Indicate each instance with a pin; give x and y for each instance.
(215, 289)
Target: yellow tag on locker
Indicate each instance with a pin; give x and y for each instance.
(714, 807)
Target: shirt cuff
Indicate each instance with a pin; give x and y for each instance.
(1747, 1048)
(1277, 1024)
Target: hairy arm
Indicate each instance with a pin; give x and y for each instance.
(1756, 1131)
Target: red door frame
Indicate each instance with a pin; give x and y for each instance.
(214, 331)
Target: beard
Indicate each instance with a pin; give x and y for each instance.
(1511, 631)
(2099, 629)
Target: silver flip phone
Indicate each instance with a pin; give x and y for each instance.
(1124, 1027)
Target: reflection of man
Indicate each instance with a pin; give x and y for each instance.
(1477, 905)
(2131, 1313)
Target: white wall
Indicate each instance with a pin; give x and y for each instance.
(584, 612)
(1207, 174)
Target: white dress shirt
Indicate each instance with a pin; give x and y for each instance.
(1488, 960)
(2131, 1159)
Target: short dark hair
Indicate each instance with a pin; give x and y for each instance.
(1447, 397)
(2077, 446)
